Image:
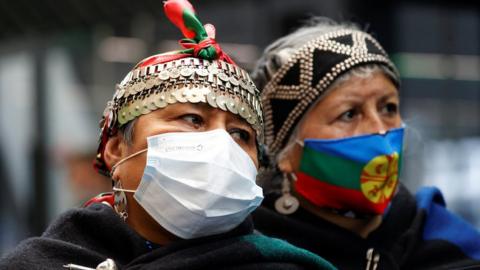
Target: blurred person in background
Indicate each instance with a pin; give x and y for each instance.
(8, 208)
(334, 136)
(180, 140)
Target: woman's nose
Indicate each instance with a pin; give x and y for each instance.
(373, 123)
(218, 120)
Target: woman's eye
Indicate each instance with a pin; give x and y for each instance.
(390, 108)
(348, 115)
(193, 119)
(240, 134)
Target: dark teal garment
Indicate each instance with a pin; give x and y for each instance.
(88, 236)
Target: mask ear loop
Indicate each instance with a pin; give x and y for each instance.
(287, 204)
(114, 167)
(120, 199)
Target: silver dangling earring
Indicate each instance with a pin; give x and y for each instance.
(287, 204)
(120, 200)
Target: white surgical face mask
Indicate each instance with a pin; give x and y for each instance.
(198, 183)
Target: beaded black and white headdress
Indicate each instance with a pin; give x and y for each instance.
(308, 73)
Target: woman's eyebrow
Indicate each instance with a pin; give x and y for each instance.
(200, 106)
(197, 106)
(389, 96)
(343, 100)
(240, 121)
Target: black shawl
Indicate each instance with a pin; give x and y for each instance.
(416, 233)
(88, 236)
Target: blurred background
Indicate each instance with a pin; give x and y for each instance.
(60, 60)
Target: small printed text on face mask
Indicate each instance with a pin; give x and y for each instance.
(181, 148)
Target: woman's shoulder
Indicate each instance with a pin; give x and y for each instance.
(448, 233)
(47, 253)
(81, 235)
(88, 236)
(247, 251)
(77, 219)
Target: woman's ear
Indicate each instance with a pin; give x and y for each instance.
(115, 150)
(289, 160)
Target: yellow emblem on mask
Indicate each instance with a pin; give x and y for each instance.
(379, 178)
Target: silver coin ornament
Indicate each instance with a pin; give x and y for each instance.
(287, 204)
(108, 264)
(180, 95)
(170, 97)
(232, 105)
(161, 100)
(222, 102)
(212, 99)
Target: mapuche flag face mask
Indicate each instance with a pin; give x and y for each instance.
(357, 173)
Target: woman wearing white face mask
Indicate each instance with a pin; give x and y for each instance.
(180, 140)
(335, 139)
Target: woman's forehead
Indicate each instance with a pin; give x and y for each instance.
(377, 86)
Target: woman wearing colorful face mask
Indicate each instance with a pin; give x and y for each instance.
(179, 140)
(335, 138)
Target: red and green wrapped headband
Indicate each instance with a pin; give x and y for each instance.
(201, 72)
(199, 39)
